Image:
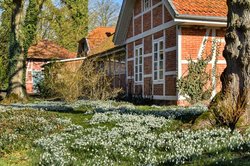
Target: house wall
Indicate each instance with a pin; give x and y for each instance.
(196, 42)
(32, 67)
(140, 34)
(180, 43)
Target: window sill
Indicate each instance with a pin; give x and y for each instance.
(158, 81)
(138, 83)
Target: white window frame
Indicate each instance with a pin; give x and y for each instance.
(138, 64)
(158, 60)
(147, 5)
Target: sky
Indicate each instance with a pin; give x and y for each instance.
(119, 1)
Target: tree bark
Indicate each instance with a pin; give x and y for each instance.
(236, 76)
(16, 53)
(23, 32)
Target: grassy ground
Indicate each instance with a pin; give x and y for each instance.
(115, 133)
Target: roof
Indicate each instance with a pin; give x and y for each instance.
(209, 12)
(98, 36)
(49, 50)
(107, 44)
(201, 7)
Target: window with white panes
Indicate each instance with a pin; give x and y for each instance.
(158, 61)
(146, 4)
(138, 64)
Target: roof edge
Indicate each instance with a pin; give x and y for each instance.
(171, 4)
(119, 22)
(202, 18)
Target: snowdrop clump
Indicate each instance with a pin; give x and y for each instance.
(134, 140)
(55, 149)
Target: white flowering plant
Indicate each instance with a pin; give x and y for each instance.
(113, 133)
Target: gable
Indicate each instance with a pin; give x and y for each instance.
(205, 12)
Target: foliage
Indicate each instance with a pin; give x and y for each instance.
(30, 23)
(84, 81)
(194, 85)
(4, 36)
(64, 21)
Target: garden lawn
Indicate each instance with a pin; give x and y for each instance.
(111, 133)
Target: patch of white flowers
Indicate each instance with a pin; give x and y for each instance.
(124, 134)
(134, 140)
(55, 149)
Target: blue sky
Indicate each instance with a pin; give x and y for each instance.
(119, 1)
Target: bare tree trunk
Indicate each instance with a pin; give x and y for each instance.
(235, 94)
(23, 32)
(16, 55)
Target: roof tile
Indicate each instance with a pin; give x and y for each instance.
(48, 50)
(201, 7)
(97, 36)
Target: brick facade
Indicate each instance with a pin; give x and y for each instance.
(180, 44)
(33, 66)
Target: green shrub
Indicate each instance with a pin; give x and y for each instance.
(194, 85)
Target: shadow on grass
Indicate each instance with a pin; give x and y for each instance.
(239, 161)
(186, 115)
(231, 158)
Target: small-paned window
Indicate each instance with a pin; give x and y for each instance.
(146, 4)
(158, 61)
(138, 64)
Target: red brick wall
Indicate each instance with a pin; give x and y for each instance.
(138, 7)
(148, 65)
(147, 86)
(158, 35)
(147, 21)
(170, 61)
(138, 25)
(170, 37)
(130, 29)
(157, 16)
(148, 44)
(138, 42)
(130, 50)
(158, 89)
(144, 23)
(167, 15)
(191, 42)
(32, 65)
(130, 86)
(130, 68)
(138, 90)
(192, 39)
(170, 89)
(156, 1)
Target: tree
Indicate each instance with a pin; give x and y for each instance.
(234, 99)
(103, 13)
(22, 34)
(4, 42)
(64, 22)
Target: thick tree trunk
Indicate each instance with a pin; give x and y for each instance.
(16, 53)
(236, 77)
